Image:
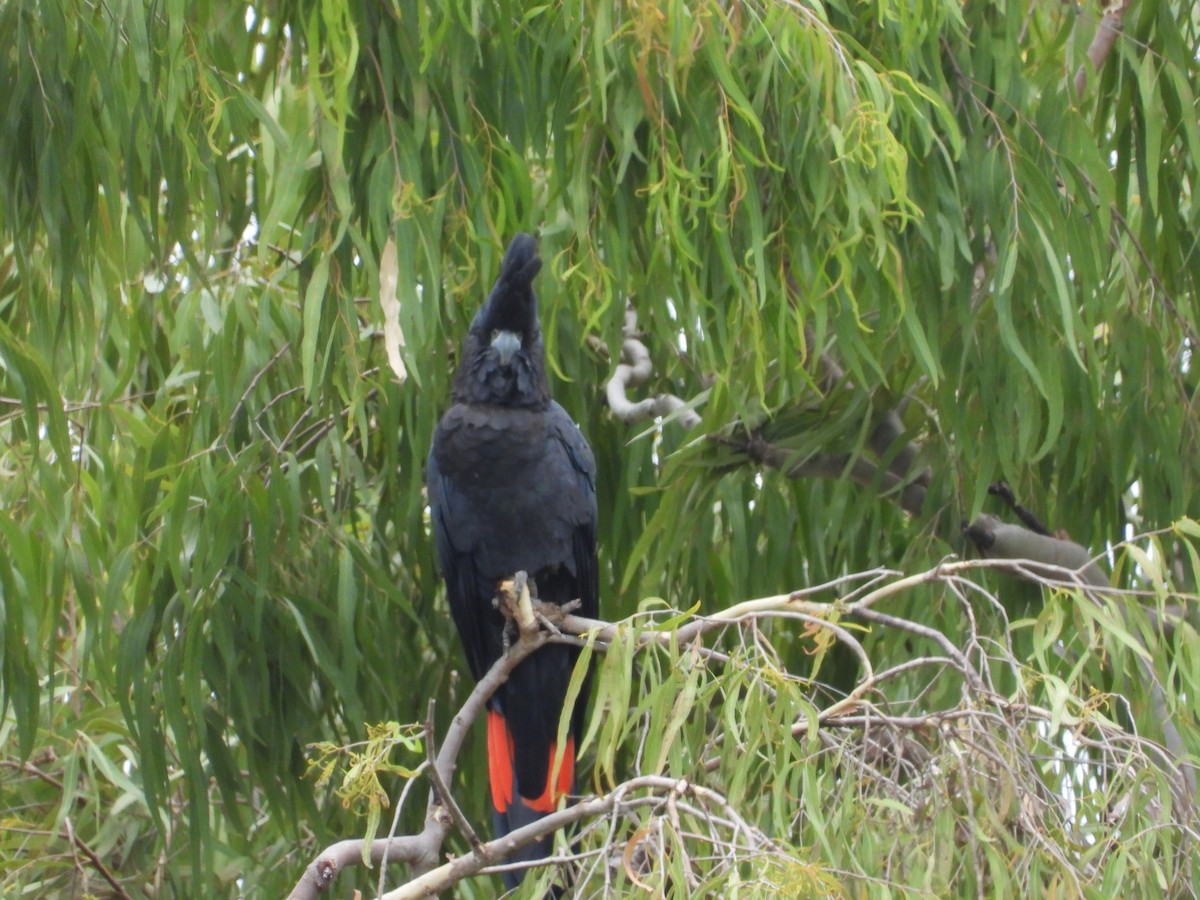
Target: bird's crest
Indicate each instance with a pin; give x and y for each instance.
(502, 360)
(512, 304)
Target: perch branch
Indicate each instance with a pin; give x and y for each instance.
(421, 851)
(884, 735)
(1004, 541)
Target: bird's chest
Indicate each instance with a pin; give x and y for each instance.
(506, 492)
(494, 453)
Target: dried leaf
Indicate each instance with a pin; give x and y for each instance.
(393, 336)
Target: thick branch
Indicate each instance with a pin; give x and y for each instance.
(1112, 23)
(635, 369)
(855, 597)
(421, 851)
(1001, 540)
(832, 466)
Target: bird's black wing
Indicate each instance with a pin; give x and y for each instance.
(456, 539)
(584, 516)
(583, 548)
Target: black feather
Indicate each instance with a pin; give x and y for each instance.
(512, 304)
(484, 376)
(511, 485)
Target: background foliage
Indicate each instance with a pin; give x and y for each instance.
(214, 548)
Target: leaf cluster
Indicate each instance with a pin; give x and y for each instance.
(836, 222)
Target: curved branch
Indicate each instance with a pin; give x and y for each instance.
(422, 851)
(661, 787)
(1004, 541)
(635, 369)
(856, 597)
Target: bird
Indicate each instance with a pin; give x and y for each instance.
(511, 482)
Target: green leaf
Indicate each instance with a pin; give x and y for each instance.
(314, 304)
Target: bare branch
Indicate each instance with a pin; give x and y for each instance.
(658, 789)
(95, 861)
(910, 755)
(1112, 23)
(442, 790)
(421, 851)
(635, 369)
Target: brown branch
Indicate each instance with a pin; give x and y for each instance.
(421, 851)
(833, 466)
(97, 863)
(885, 440)
(254, 381)
(1112, 23)
(68, 830)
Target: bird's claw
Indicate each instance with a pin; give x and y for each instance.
(518, 602)
(515, 598)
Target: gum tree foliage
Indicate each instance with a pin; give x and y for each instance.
(890, 252)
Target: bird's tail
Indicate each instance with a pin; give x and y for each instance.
(512, 809)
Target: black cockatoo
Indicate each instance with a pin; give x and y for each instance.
(512, 487)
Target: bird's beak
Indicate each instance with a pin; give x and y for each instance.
(506, 343)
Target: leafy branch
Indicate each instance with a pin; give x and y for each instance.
(984, 744)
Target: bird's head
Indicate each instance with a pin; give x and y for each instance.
(503, 357)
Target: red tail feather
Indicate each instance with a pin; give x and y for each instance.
(555, 790)
(500, 770)
(500, 767)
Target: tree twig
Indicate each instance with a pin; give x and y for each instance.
(442, 790)
(96, 862)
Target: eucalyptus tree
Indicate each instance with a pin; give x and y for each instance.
(818, 275)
